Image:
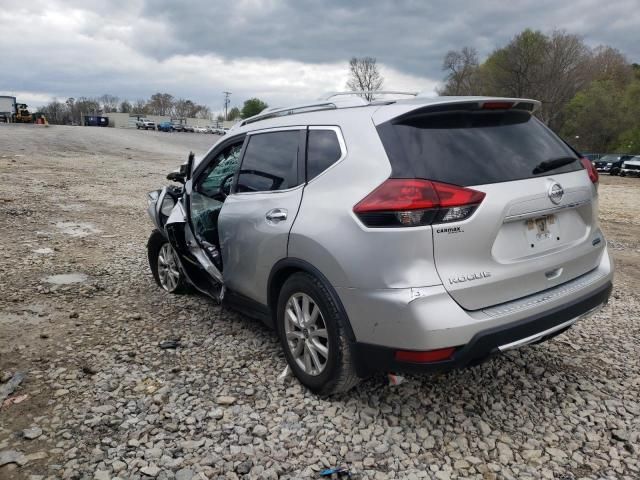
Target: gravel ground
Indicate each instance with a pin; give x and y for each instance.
(81, 317)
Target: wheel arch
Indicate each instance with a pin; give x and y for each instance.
(286, 267)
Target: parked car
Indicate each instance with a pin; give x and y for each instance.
(165, 127)
(200, 129)
(388, 237)
(177, 126)
(146, 124)
(631, 167)
(188, 128)
(611, 163)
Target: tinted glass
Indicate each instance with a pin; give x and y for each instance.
(323, 150)
(270, 162)
(473, 148)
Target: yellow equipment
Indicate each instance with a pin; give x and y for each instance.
(22, 114)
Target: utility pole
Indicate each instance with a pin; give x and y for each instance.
(226, 104)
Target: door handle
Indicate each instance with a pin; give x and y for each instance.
(276, 215)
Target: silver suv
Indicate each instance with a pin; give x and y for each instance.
(408, 235)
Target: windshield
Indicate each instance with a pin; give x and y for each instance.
(608, 158)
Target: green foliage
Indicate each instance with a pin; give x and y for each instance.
(252, 107)
(234, 114)
(629, 141)
(591, 96)
(592, 118)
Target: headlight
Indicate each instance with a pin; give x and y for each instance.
(609, 164)
(167, 205)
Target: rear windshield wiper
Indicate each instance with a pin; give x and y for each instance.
(547, 165)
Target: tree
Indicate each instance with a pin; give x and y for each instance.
(160, 104)
(109, 103)
(139, 107)
(550, 68)
(608, 63)
(125, 107)
(252, 107)
(204, 112)
(234, 114)
(516, 70)
(364, 76)
(56, 112)
(463, 77)
(595, 116)
(565, 71)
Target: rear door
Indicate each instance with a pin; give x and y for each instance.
(256, 218)
(536, 226)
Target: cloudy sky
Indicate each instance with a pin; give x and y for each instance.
(280, 51)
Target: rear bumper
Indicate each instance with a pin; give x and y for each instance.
(533, 329)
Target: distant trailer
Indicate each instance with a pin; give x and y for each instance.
(7, 108)
(95, 121)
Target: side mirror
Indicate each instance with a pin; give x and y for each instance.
(176, 176)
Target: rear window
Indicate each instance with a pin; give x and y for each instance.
(472, 148)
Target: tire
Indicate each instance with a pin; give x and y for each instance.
(614, 171)
(157, 249)
(337, 373)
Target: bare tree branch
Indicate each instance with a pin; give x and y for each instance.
(364, 76)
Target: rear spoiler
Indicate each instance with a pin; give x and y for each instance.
(457, 104)
(475, 105)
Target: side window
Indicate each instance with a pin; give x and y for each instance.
(323, 150)
(223, 166)
(270, 162)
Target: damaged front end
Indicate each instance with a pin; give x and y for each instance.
(168, 210)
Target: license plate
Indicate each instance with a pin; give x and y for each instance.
(542, 230)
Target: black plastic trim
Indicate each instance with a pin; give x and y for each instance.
(247, 306)
(374, 358)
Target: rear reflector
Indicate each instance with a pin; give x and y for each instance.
(401, 202)
(591, 170)
(412, 356)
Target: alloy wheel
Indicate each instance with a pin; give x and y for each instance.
(168, 270)
(306, 334)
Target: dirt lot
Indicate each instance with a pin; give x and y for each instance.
(81, 317)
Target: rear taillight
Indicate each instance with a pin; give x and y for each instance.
(415, 202)
(591, 170)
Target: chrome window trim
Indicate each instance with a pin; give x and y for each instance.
(270, 192)
(277, 129)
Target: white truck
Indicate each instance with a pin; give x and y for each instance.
(7, 108)
(146, 124)
(631, 167)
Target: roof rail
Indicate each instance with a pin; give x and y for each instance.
(329, 95)
(282, 111)
(323, 103)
